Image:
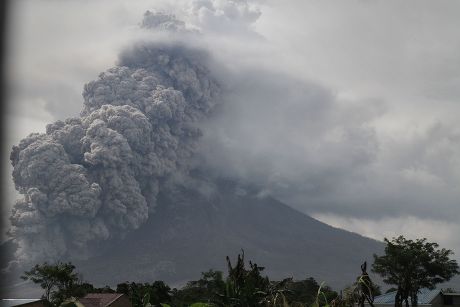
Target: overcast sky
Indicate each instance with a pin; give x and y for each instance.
(345, 110)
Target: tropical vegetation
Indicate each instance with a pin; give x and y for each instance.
(409, 265)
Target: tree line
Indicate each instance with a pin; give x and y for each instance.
(407, 265)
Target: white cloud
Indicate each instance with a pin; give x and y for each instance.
(411, 227)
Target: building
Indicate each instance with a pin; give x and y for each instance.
(22, 302)
(90, 300)
(426, 298)
(105, 300)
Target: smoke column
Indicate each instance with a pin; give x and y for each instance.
(96, 177)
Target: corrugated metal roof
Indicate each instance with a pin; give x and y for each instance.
(102, 299)
(425, 296)
(387, 298)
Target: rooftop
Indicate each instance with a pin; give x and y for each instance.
(9, 302)
(99, 299)
(425, 297)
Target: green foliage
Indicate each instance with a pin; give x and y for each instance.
(206, 289)
(359, 292)
(145, 294)
(244, 287)
(146, 300)
(412, 265)
(298, 293)
(276, 293)
(58, 280)
(306, 292)
(80, 289)
(362, 292)
(320, 295)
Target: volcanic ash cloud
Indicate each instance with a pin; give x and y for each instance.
(96, 177)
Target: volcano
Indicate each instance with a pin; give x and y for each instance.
(192, 232)
(124, 193)
(194, 229)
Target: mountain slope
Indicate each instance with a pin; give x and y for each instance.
(191, 233)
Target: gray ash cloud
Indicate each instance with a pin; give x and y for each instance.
(162, 21)
(97, 177)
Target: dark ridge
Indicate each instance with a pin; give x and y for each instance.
(191, 233)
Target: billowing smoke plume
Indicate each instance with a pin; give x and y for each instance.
(97, 177)
(162, 21)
